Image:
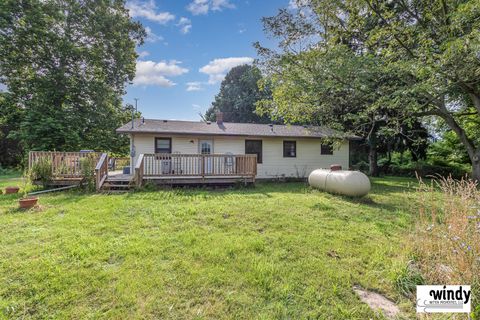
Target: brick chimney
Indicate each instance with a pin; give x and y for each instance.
(219, 117)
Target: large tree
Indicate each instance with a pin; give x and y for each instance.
(430, 47)
(238, 94)
(339, 89)
(65, 63)
(11, 152)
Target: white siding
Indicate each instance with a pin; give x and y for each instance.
(274, 164)
(145, 143)
(308, 158)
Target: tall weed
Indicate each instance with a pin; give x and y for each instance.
(87, 169)
(447, 235)
(41, 171)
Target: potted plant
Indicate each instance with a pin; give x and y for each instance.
(10, 190)
(27, 202)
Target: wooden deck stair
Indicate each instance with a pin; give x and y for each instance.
(117, 185)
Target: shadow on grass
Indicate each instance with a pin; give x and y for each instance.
(17, 210)
(265, 189)
(363, 201)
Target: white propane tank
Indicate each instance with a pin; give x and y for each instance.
(349, 183)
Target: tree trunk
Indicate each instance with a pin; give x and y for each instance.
(372, 150)
(472, 150)
(476, 167)
(476, 101)
(372, 160)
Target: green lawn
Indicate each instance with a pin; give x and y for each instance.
(273, 251)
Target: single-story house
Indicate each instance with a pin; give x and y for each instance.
(280, 150)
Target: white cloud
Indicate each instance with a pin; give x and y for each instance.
(194, 86)
(197, 7)
(143, 54)
(156, 73)
(148, 10)
(196, 107)
(217, 69)
(185, 25)
(151, 36)
(218, 5)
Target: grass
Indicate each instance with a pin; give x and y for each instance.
(275, 251)
(11, 179)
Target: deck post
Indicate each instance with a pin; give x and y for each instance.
(29, 160)
(139, 171)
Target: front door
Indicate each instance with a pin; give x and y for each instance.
(206, 147)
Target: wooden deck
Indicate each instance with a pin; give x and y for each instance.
(162, 169)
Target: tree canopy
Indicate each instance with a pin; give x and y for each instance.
(389, 61)
(10, 117)
(65, 64)
(238, 94)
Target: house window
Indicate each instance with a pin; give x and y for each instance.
(163, 145)
(289, 149)
(254, 147)
(326, 148)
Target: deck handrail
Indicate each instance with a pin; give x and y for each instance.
(101, 171)
(200, 165)
(139, 170)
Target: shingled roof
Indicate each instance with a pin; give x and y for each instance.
(228, 129)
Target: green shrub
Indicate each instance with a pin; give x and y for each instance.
(41, 171)
(361, 166)
(87, 169)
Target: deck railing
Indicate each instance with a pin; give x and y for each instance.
(101, 171)
(118, 163)
(139, 170)
(65, 165)
(202, 165)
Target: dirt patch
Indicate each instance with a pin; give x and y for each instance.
(378, 302)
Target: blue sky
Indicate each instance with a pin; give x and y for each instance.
(190, 46)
